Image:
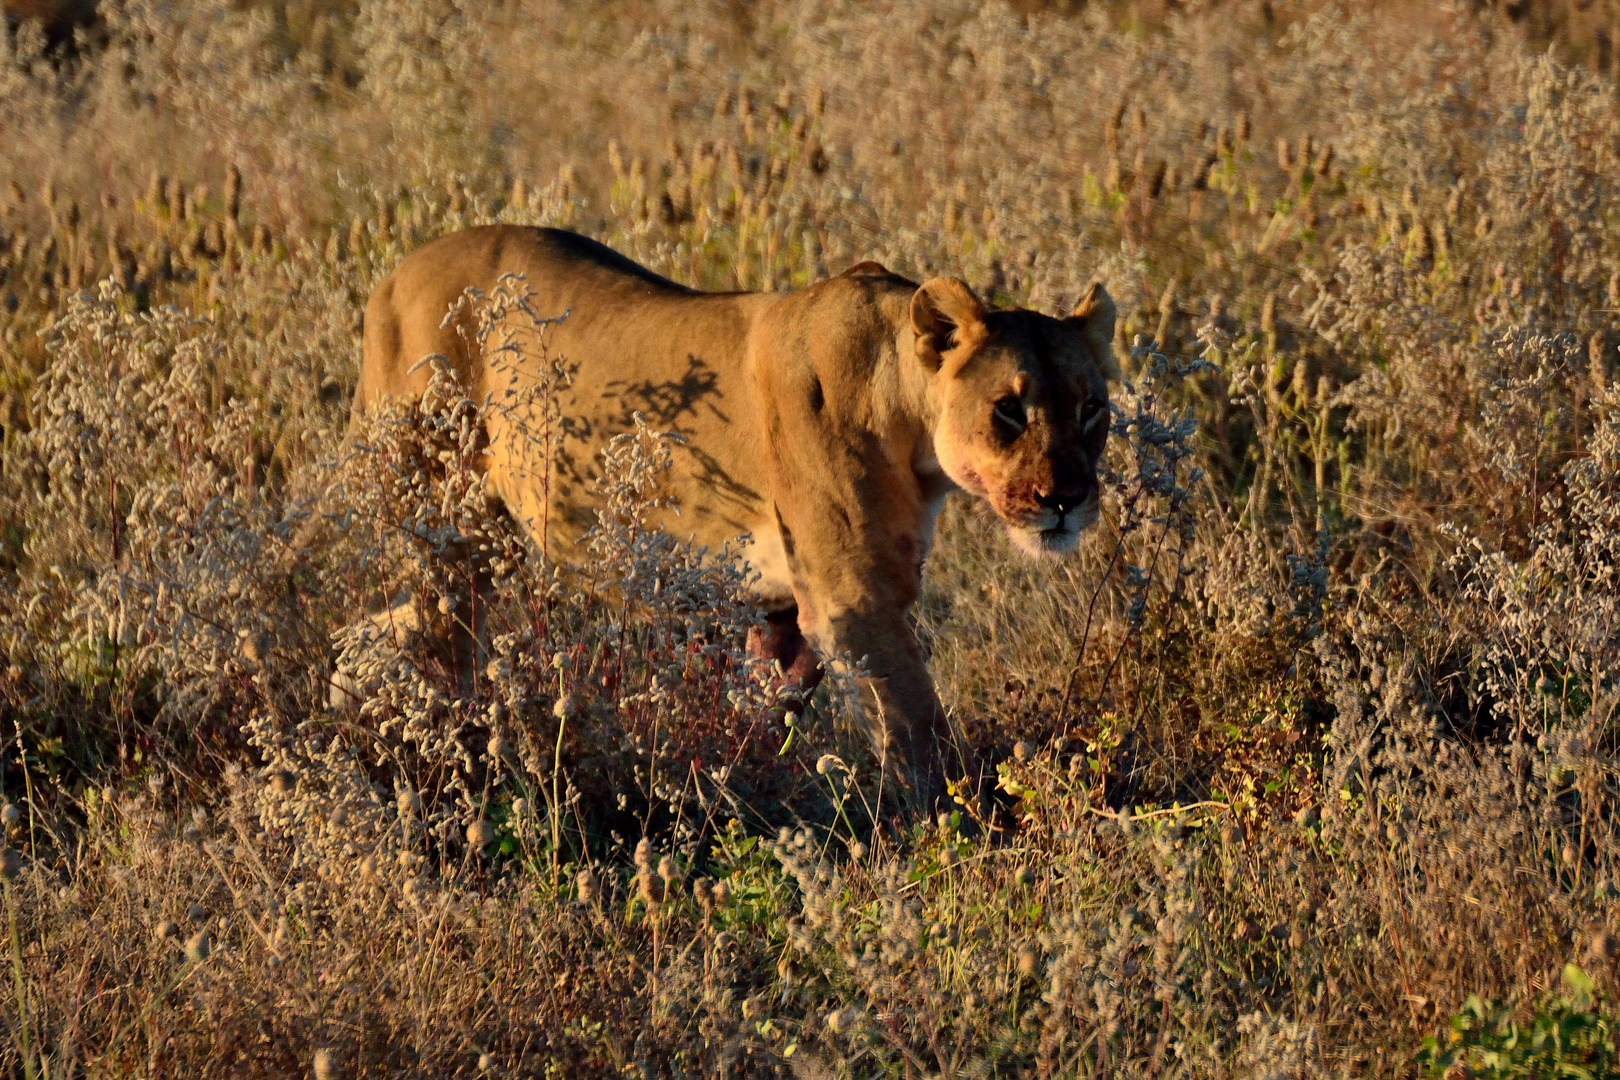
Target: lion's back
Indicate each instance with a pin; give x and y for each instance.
(405, 317)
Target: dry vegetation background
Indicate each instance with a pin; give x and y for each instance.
(1313, 742)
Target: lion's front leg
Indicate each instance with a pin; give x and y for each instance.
(897, 706)
(780, 640)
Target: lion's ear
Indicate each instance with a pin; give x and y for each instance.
(868, 269)
(1095, 317)
(945, 315)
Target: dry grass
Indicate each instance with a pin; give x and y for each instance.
(1312, 741)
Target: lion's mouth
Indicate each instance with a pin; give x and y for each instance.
(1054, 534)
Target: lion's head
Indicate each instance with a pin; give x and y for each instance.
(1023, 406)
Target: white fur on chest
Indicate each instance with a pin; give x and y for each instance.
(935, 486)
(766, 556)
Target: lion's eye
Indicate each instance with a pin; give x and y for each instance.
(1090, 412)
(1009, 413)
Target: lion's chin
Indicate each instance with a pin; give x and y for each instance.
(1055, 542)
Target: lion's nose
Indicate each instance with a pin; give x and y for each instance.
(1060, 502)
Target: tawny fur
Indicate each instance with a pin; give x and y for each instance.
(828, 424)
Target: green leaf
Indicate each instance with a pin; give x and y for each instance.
(1578, 980)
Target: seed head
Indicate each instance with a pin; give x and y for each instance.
(481, 833)
(644, 854)
(520, 808)
(283, 782)
(197, 947)
(324, 1064)
(410, 803)
(1023, 750)
(486, 1063)
(1028, 960)
(826, 763)
(1604, 946)
(703, 893)
(585, 883)
(649, 891)
(840, 1020)
(11, 815)
(11, 863)
(722, 893)
(166, 929)
(256, 648)
(564, 707)
(1024, 876)
(667, 869)
(197, 913)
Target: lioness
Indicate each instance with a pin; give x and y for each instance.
(828, 424)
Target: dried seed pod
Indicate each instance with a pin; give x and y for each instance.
(481, 833)
(1418, 244)
(586, 886)
(703, 893)
(233, 191)
(1324, 160)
